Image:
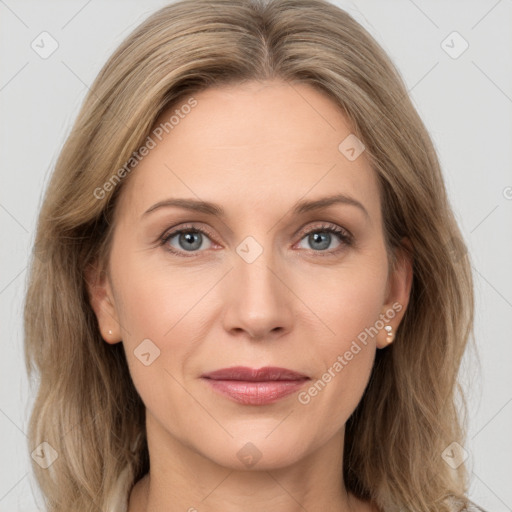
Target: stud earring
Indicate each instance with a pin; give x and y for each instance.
(110, 331)
(390, 337)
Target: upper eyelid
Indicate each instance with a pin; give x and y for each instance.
(324, 225)
(305, 230)
(178, 229)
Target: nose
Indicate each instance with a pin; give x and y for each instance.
(259, 300)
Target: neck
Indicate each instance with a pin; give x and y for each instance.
(192, 482)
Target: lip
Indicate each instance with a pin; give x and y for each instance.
(255, 386)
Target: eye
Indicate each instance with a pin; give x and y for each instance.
(186, 239)
(321, 238)
(191, 239)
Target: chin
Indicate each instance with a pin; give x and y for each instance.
(258, 452)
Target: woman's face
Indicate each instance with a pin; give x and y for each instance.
(276, 274)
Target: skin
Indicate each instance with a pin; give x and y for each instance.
(255, 149)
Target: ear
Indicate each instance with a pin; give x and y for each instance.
(102, 302)
(398, 292)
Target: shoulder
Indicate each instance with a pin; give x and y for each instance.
(473, 507)
(120, 494)
(458, 506)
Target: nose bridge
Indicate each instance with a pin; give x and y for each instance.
(255, 270)
(260, 302)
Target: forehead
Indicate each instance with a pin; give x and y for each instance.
(256, 143)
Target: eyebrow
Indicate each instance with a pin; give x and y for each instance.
(299, 207)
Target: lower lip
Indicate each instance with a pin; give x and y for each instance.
(256, 393)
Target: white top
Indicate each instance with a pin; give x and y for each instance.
(118, 501)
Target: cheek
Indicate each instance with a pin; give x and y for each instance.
(161, 318)
(349, 301)
(344, 355)
(158, 298)
(159, 304)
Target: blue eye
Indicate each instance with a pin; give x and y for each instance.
(191, 239)
(319, 240)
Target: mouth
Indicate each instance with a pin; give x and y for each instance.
(255, 386)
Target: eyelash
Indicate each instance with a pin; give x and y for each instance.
(345, 238)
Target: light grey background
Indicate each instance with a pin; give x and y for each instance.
(466, 103)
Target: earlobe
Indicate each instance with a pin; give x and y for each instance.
(102, 302)
(399, 289)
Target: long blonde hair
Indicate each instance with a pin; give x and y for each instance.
(87, 408)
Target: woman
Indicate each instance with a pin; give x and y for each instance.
(245, 294)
